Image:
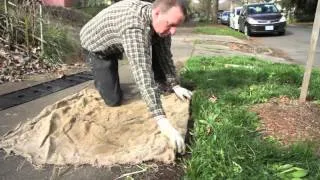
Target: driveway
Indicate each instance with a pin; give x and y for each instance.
(295, 43)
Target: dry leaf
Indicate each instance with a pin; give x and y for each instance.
(213, 98)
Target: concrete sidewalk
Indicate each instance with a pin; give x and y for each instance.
(16, 168)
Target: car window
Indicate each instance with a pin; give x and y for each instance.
(262, 9)
(238, 11)
(226, 13)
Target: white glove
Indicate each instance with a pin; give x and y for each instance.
(174, 136)
(182, 93)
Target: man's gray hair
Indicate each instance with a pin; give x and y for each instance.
(165, 5)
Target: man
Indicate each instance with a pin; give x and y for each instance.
(143, 32)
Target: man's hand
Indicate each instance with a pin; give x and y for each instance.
(182, 93)
(174, 136)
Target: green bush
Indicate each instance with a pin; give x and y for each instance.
(58, 44)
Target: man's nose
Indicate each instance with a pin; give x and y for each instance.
(173, 30)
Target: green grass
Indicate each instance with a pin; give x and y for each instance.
(225, 142)
(219, 30)
(58, 44)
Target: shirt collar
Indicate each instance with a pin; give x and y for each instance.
(149, 18)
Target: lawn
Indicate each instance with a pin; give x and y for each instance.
(219, 30)
(225, 143)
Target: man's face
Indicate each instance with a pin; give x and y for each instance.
(165, 23)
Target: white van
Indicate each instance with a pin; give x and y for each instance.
(234, 17)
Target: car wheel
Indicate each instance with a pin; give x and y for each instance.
(246, 30)
(282, 33)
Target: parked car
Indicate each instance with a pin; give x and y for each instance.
(225, 18)
(219, 15)
(261, 18)
(234, 17)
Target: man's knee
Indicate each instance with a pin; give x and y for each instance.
(112, 101)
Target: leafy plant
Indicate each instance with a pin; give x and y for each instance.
(289, 171)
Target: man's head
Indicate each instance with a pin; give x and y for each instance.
(167, 15)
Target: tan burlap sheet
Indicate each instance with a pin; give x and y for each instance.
(81, 129)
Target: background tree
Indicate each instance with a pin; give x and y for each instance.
(303, 10)
(215, 8)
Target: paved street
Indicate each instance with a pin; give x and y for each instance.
(296, 43)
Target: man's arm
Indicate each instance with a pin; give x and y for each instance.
(136, 44)
(162, 50)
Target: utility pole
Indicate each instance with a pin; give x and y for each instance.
(311, 55)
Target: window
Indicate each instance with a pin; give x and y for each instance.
(238, 11)
(262, 9)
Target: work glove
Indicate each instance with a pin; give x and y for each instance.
(174, 136)
(182, 93)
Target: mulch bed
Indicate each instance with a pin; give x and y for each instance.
(289, 121)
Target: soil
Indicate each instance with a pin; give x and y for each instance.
(252, 47)
(248, 46)
(289, 121)
(162, 172)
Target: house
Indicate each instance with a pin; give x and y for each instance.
(63, 3)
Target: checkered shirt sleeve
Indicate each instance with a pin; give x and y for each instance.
(136, 44)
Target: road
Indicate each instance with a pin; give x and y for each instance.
(295, 43)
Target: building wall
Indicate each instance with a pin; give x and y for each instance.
(63, 3)
(224, 5)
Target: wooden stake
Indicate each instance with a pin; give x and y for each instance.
(41, 30)
(6, 13)
(311, 55)
(7, 19)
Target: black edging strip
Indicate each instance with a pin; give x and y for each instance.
(31, 93)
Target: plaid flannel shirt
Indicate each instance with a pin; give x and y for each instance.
(126, 27)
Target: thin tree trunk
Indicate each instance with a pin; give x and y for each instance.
(215, 8)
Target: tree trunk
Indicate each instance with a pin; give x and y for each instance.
(215, 8)
(208, 9)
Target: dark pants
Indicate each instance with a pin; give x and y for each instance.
(159, 75)
(106, 76)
